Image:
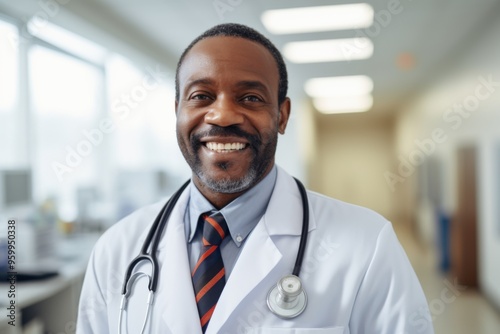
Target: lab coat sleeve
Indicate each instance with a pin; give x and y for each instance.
(92, 311)
(390, 299)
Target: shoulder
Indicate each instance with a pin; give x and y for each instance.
(334, 216)
(343, 213)
(358, 228)
(128, 232)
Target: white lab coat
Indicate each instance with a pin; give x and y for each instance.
(355, 273)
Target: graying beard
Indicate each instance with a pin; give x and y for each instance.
(228, 186)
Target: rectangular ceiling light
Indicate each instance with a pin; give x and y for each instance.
(318, 18)
(329, 50)
(337, 105)
(333, 95)
(355, 85)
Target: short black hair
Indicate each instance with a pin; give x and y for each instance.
(242, 31)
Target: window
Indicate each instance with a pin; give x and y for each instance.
(13, 152)
(66, 104)
(145, 156)
(86, 123)
(142, 107)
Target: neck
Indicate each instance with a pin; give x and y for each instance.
(218, 199)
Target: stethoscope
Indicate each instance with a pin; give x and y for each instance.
(287, 299)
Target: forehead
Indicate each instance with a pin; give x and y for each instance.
(229, 59)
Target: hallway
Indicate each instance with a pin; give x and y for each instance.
(461, 311)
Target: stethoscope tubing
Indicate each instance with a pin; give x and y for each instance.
(305, 228)
(153, 239)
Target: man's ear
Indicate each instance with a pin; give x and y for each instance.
(284, 115)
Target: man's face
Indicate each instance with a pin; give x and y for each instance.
(228, 116)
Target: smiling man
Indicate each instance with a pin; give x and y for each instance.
(230, 108)
(236, 230)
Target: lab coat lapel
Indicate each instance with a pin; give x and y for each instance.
(260, 254)
(175, 288)
(255, 262)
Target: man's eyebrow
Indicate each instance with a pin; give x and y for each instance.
(201, 81)
(245, 84)
(252, 84)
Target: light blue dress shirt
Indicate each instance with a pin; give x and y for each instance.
(241, 215)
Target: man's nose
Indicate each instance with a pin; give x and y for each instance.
(224, 112)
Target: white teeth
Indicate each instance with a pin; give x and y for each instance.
(228, 147)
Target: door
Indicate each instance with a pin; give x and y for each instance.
(464, 225)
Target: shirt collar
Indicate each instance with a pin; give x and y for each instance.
(241, 215)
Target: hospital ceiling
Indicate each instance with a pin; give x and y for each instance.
(411, 48)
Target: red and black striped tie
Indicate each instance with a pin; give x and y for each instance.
(209, 275)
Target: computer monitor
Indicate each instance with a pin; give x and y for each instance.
(15, 188)
(36, 235)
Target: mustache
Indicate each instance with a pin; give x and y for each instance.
(228, 131)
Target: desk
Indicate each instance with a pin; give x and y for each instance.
(53, 301)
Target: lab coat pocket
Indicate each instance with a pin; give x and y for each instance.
(330, 330)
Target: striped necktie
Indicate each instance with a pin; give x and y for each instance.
(209, 274)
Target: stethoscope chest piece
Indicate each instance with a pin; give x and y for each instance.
(287, 299)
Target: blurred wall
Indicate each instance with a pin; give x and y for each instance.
(462, 109)
(406, 167)
(353, 151)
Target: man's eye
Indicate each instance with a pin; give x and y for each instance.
(252, 98)
(200, 97)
